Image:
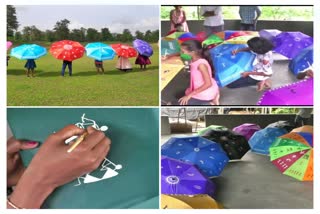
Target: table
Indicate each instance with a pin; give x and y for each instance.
(169, 69)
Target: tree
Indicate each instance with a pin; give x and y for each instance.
(106, 34)
(49, 36)
(139, 35)
(92, 35)
(61, 29)
(77, 35)
(17, 36)
(12, 22)
(155, 36)
(26, 34)
(148, 36)
(36, 34)
(126, 36)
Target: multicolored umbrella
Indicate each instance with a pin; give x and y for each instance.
(100, 51)
(246, 129)
(212, 40)
(235, 145)
(208, 156)
(169, 47)
(173, 36)
(143, 47)
(189, 202)
(187, 36)
(269, 34)
(124, 50)
(282, 124)
(305, 128)
(67, 50)
(261, 140)
(302, 61)
(28, 51)
(298, 93)
(292, 154)
(290, 44)
(201, 36)
(228, 67)
(182, 178)
(229, 34)
(238, 40)
(9, 44)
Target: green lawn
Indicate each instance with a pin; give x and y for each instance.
(85, 87)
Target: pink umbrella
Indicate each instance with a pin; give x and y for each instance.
(298, 93)
(9, 44)
(247, 129)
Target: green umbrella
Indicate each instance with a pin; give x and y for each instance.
(211, 40)
(173, 36)
(213, 127)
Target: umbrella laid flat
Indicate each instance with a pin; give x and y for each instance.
(228, 67)
(9, 44)
(188, 202)
(290, 44)
(306, 128)
(246, 129)
(261, 140)
(67, 50)
(100, 51)
(187, 36)
(173, 36)
(208, 156)
(238, 40)
(292, 154)
(169, 47)
(143, 47)
(124, 50)
(28, 51)
(298, 93)
(269, 34)
(182, 178)
(212, 40)
(302, 61)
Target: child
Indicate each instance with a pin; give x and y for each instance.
(203, 88)
(123, 64)
(99, 66)
(262, 70)
(143, 61)
(30, 66)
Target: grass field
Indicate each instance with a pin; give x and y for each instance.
(85, 87)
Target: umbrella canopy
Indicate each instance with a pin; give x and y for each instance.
(28, 51)
(188, 202)
(100, 51)
(228, 67)
(235, 145)
(208, 156)
(298, 93)
(292, 154)
(290, 44)
(269, 34)
(261, 140)
(302, 61)
(212, 40)
(246, 129)
(239, 39)
(306, 128)
(9, 44)
(282, 124)
(169, 47)
(201, 36)
(229, 34)
(124, 50)
(187, 36)
(182, 178)
(173, 36)
(67, 50)
(143, 47)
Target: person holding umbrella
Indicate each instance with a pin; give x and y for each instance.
(99, 66)
(64, 65)
(143, 61)
(30, 66)
(144, 50)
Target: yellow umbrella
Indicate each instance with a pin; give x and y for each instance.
(189, 202)
(308, 129)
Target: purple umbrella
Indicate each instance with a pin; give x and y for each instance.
(290, 44)
(298, 93)
(182, 178)
(246, 129)
(269, 34)
(143, 47)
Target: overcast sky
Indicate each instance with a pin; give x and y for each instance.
(116, 18)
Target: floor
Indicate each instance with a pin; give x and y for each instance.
(254, 183)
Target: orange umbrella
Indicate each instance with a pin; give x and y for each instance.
(124, 50)
(67, 50)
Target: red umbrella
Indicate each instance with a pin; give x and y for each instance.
(124, 50)
(67, 50)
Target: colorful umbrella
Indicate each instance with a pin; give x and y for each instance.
(187, 36)
(235, 145)
(246, 129)
(290, 44)
(208, 156)
(169, 47)
(261, 141)
(302, 61)
(293, 155)
(212, 40)
(67, 50)
(238, 40)
(143, 47)
(306, 128)
(242, 33)
(282, 124)
(124, 50)
(298, 93)
(28, 51)
(188, 202)
(201, 36)
(173, 36)
(100, 51)
(182, 178)
(269, 34)
(9, 44)
(228, 67)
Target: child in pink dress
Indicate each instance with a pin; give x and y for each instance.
(178, 17)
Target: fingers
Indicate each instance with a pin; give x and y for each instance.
(101, 150)
(25, 145)
(13, 146)
(92, 139)
(68, 131)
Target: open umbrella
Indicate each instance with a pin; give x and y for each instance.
(9, 44)
(282, 124)
(188, 202)
(235, 145)
(67, 50)
(169, 47)
(290, 44)
(306, 128)
(208, 156)
(238, 40)
(261, 141)
(212, 40)
(173, 36)
(298, 93)
(292, 154)
(228, 67)
(28, 51)
(269, 34)
(182, 178)
(143, 47)
(246, 129)
(302, 61)
(201, 36)
(187, 36)
(124, 50)
(100, 51)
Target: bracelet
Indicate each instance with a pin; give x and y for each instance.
(13, 205)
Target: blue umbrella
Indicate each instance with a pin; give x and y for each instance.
(169, 47)
(143, 47)
(100, 51)
(261, 140)
(228, 67)
(302, 61)
(208, 156)
(28, 51)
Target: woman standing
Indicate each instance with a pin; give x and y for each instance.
(178, 17)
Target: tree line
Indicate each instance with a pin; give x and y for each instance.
(61, 31)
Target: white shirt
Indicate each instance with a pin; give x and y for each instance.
(212, 21)
(258, 66)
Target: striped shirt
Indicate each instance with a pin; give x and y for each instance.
(249, 14)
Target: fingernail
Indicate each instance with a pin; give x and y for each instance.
(32, 143)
